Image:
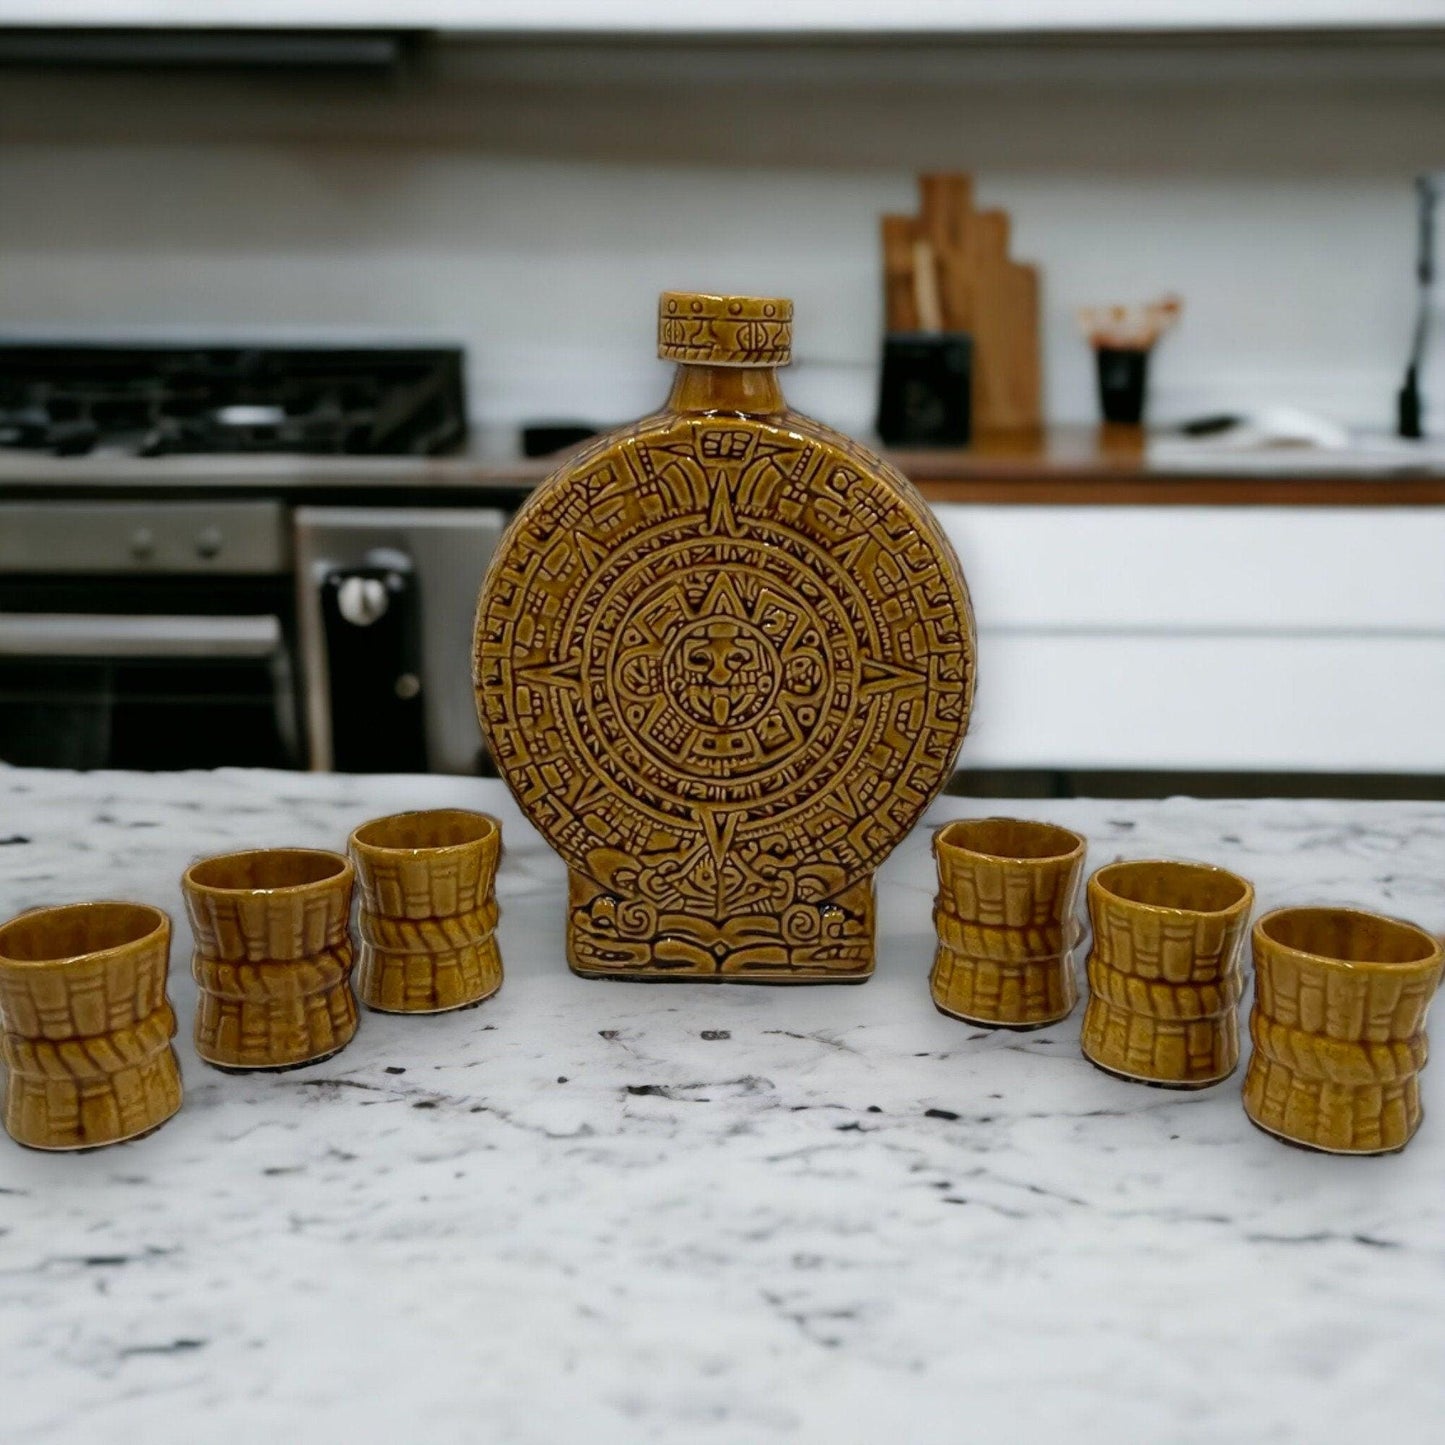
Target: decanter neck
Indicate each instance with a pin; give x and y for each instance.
(742, 390)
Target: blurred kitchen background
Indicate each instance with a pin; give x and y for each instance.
(250, 223)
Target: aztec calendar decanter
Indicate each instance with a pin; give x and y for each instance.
(724, 660)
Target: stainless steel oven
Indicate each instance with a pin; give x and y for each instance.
(175, 634)
(234, 616)
(386, 599)
(148, 635)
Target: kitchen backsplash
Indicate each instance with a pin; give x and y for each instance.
(521, 200)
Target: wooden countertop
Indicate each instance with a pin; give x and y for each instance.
(1065, 466)
(1110, 466)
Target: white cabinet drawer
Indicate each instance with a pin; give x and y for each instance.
(1203, 568)
(1308, 704)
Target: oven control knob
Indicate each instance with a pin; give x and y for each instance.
(208, 542)
(142, 544)
(361, 600)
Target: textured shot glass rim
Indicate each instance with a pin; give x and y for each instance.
(940, 842)
(1241, 905)
(357, 844)
(158, 930)
(342, 874)
(1264, 942)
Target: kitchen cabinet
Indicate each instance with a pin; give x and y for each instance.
(1235, 638)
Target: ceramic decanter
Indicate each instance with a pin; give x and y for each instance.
(724, 660)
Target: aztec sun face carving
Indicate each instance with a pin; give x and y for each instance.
(720, 673)
(716, 675)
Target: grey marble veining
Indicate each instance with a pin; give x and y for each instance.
(610, 1212)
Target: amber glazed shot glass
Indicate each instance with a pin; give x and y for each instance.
(273, 957)
(428, 910)
(1164, 974)
(1338, 1025)
(1004, 916)
(86, 1026)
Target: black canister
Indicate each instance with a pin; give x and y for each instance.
(925, 396)
(1123, 373)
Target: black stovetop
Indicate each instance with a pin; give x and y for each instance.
(70, 399)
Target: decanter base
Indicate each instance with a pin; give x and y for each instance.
(826, 942)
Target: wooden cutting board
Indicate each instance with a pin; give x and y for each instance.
(982, 291)
(899, 296)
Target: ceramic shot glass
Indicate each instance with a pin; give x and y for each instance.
(1338, 1025)
(273, 957)
(428, 910)
(1004, 916)
(86, 1026)
(1164, 974)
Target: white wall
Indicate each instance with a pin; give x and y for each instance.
(530, 201)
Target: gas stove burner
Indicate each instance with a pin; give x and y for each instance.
(170, 400)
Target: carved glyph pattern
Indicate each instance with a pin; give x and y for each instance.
(1338, 1052)
(274, 970)
(88, 1048)
(428, 926)
(1163, 993)
(724, 665)
(428, 965)
(1006, 934)
(725, 330)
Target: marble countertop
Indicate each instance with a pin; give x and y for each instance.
(605, 1212)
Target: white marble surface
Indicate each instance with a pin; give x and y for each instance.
(610, 1212)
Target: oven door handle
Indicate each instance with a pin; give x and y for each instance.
(100, 635)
